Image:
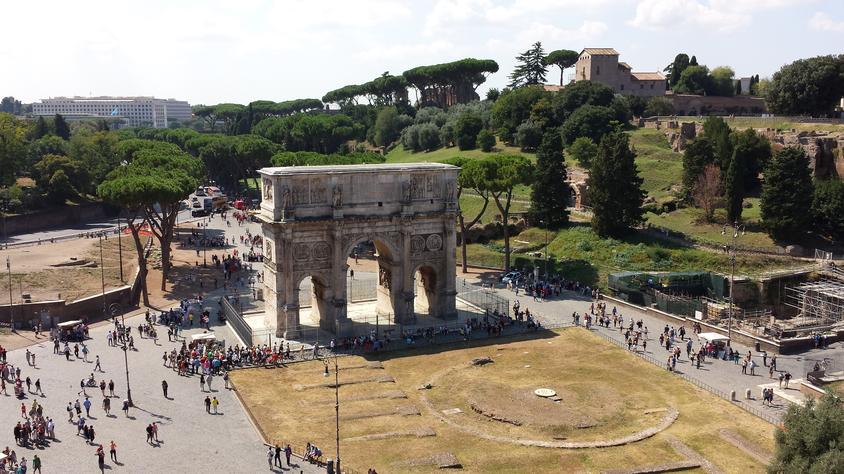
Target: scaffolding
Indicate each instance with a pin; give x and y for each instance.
(819, 304)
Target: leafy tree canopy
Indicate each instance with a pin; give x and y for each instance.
(828, 208)
(308, 158)
(578, 94)
(694, 80)
(563, 59)
(514, 107)
(809, 86)
(811, 440)
(589, 121)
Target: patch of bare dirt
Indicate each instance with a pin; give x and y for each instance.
(522, 407)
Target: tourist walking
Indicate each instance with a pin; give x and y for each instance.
(97, 365)
(270, 455)
(207, 405)
(214, 404)
(164, 387)
(112, 449)
(36, 464)
(100, 458)
(111, 388)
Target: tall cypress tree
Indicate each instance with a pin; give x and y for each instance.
(550, 193)
(716, 130)
(734, 187)
(61, 127)
(696, 156)
(40, 129)
(787, 195)
(615, 187)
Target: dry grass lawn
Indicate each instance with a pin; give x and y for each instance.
(604, 389)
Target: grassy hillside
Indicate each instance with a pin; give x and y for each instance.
(400, 155)
(778, 123)
(661, 167)
(582, 255)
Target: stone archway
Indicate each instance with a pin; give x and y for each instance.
(312, 217)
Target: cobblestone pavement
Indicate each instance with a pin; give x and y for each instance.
(724, 376)
(191, 439)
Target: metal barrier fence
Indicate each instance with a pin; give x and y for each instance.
(484, 298)
(726, 396)
(357, 290)
(237, 323)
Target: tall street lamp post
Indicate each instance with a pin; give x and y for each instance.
(737, 230)
(102, 276)
(11, 309)
(336, 407)
(5, 209)
(120, 245)
(204, 243)
(116, 309)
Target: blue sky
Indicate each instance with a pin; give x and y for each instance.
(237, 51)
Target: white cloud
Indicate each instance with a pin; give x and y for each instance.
(661, 14)
(721, 15)
(587, 32)
(450, 13)
(418, 52)
(823, 22)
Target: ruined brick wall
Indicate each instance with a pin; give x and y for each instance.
(685, 104)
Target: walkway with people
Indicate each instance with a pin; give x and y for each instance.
(723, 376)
(188, 437)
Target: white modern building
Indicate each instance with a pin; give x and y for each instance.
(129, 111)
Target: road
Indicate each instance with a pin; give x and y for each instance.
(72, 231)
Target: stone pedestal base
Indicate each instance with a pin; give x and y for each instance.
(344, 327)
(291, 333)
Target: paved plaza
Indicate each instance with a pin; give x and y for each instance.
(190, 439)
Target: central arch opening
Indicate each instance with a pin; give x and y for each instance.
(371, 277)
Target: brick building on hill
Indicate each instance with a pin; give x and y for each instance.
(601, 65)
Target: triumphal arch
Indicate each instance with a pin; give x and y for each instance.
(314, 216)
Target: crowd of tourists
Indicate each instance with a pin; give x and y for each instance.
(545, 288)
(676, 341)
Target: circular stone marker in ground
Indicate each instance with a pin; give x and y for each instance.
(544, 392)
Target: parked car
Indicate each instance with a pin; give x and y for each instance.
(511, 276)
